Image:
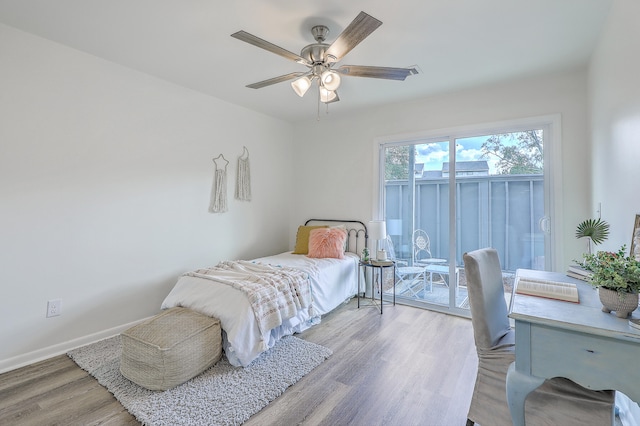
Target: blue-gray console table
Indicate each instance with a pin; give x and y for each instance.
(574, 340)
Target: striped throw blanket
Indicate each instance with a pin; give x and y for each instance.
(275, 293)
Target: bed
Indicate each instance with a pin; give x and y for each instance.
(324, 284)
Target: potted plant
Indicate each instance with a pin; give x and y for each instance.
(617, 277)
(365, 255)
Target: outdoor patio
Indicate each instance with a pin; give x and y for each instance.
(415, 289)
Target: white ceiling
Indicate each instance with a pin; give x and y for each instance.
(456, 44)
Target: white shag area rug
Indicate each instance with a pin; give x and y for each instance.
(222, 395)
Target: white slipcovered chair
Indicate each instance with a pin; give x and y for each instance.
(557, 401)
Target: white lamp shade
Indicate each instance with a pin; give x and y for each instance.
(330, 80)
(377, 229)
(327, 96)
(301, 85)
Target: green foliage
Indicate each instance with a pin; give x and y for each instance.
(397, 162)
(523, 157)
(596, 229)
(365, 254)
(614, 271)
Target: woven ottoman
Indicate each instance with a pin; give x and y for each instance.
(170, 348)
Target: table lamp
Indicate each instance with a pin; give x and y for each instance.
(378, 231)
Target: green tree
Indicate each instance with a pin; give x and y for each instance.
(523, 156)
(396, 162)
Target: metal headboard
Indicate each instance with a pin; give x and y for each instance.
(357, 234)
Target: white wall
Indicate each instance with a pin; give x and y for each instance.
(334, 160)
(615, 122)
(105, 177)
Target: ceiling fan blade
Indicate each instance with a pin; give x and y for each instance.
(388, 73)
(356, 31)
(275, 80)
(263, 44)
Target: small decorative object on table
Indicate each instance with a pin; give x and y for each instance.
(617, 278)
(365, 255)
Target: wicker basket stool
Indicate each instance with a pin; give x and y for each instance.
(170, 348)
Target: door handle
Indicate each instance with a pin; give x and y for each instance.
(545, 224)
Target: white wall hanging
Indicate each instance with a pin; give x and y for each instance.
(243, 177)
(218, 203)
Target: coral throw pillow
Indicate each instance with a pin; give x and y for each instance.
(327, 242)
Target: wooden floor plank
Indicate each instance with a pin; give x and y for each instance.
(405, 367)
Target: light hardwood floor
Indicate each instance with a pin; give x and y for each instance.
(405, 367)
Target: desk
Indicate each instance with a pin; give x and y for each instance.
(380, 269)
(578, 341)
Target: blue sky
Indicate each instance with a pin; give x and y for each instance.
(468, 149)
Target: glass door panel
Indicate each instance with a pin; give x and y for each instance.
(417, 215)
(501, 200)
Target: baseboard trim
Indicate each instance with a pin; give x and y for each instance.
(61, 348)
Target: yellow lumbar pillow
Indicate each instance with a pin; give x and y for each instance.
(302, 238)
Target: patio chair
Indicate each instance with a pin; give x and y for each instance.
(422, 257)
(557, 401)
(412, 278)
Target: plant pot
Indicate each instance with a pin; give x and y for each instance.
(611, 301)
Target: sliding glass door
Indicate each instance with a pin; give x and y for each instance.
(442, 197)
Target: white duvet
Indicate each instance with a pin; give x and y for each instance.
(332, 282)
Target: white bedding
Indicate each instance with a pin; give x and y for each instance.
(332, 282)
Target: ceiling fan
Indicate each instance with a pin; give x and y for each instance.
(320, 58)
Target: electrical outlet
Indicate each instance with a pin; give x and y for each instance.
(54, 308)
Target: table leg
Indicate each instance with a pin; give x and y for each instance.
(380, 287)
(394, 284)
(519, 385)
(358, 293)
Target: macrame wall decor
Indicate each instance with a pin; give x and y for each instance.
(218, 203)
(243, 177)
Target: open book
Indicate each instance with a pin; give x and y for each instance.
(550, 289)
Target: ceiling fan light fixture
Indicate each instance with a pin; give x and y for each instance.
(330, 80)
(328, 96)
(301, 85)
(320, 57)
